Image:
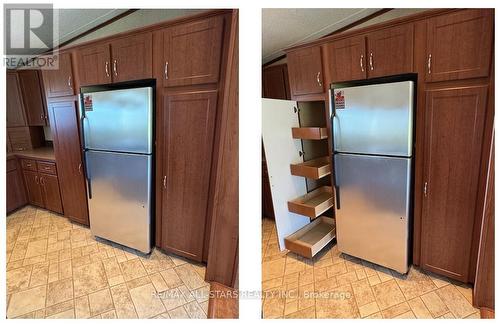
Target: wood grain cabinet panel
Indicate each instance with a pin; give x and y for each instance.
(275, 82)
(64, 124)
(50, 192)
(16, 193)
(192, 52)
(34, 103)
(459, 45)
(390, 51)
(453, 137)
(32, 180)
(132, 57)
(59, 82)
(185, 170)
(305, 71)
(346, 59)
(15, 105)
(94, 65)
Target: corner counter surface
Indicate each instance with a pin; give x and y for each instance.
(40, 153)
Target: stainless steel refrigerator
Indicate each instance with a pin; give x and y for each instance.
(117, 131)
(372, 125)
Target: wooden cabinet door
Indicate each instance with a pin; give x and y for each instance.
(132, 58)
(346, 59)
(305, 71)
(15, 106)
(459, 45)
(94, 65)
(390, 51)
(50, 192)
(32, 180)
(188, 131)
(192, 52)
(59, 82)
(64, 124)
(453, 137)
(275, 82)
(16, 192)
(34, 105)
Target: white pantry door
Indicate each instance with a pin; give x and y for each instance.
(278, 118)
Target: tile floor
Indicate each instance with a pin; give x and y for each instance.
(335, 285)
(57, 269)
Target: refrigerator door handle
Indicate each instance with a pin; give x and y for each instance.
(87, 176)
(335, 184)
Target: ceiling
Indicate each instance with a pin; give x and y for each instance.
(282, 28)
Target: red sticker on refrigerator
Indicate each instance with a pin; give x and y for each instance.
(339, 99)
(87, 102)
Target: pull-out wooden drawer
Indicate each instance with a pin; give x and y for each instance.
(28, 164)
(311, 238)
(46, 167)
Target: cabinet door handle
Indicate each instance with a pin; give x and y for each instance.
(106, 67)
(80, 168)
(69, 81)
(429, 61)
(318, 79)
(361, 63)
(42, 117)
(301, 153)
(165, 182)
(114, 68)
(42, 182)
(371, 61)
(36, 180)
(425, 189)
(166, 70)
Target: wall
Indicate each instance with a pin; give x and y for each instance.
(139, 18)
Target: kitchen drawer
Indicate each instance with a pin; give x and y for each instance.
(46, 167)
(11, 165)
(28, 164)
(313, 237)
(313, 203)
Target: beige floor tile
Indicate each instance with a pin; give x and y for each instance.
(146, 303)
(59, 291)
(178, 313)
(194, 310)
(172, 298)
(100, 302)
(363, 292)
(434, 304)
(27, 301)
(388, 294)
(336, 269)
(36, 248)
(158, 282)
(171, 278)
(82, 307)
(448, 315)
(374, 280)
(419, 309)
(273, 269)
(189, 276)
(123, 302)
(111, 267)
(138, 282)
(89, 278)
(63, 315)
(59, 308)
(18, 279)
(415, 284)
(132, 269)
(338, 303)
(407, 315)
(116, 280)
(201, 294)
(455, 301)
(368, 309)
(396, 310)
(375, 316)
(273, 307)
(308, 313)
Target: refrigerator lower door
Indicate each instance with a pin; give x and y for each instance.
(374, 211)
(120, 197)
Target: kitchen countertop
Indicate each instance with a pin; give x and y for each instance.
(45, 153)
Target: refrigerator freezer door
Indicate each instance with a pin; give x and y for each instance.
(374, 119)
(373, 219)
(120, 200)
(119, 120)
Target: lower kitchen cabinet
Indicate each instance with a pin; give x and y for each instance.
(16, 192)
(50, 192)
(33, 188)
(64, 125)
(453, 141)
(187, 134)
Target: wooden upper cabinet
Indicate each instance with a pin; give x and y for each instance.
(185, 170)
(34, 102)
(452, 155)
(459, 45)
(345, 59)
(192, 52)
(64, 125)
(132, 57)
(15, 106)
(59, 82)
(94, 65)
(275, 82)
(390, 51)
(305, 71)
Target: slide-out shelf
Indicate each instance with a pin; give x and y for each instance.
(310, 133)
(313, 203)
(311, 238)
(313, 169)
